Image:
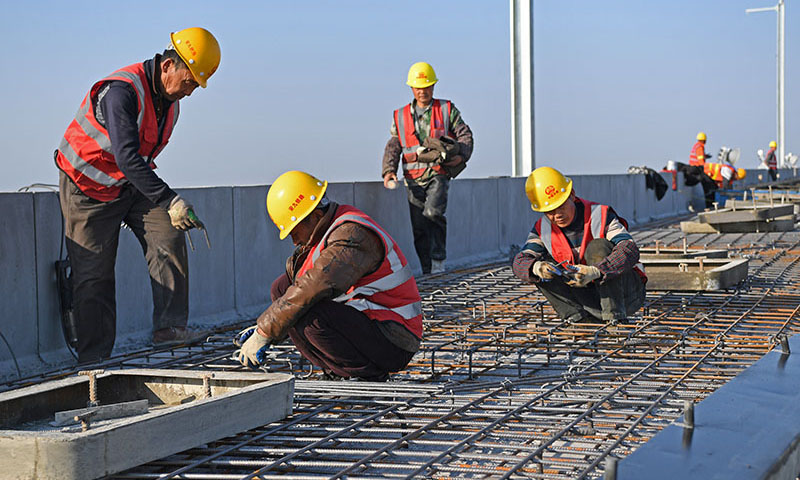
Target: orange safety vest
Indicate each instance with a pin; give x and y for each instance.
(698, 155)
(407, 133)
(85, 152)
(772, 159)
(387, 294)
(594, 226)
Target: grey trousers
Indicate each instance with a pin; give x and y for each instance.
(92, 235)
(614, 299)
(427, 205)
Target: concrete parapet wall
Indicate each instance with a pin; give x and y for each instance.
(231, 282)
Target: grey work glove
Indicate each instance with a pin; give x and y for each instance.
(253, 347)
(583, 275)
(544, 270)
(182, 216)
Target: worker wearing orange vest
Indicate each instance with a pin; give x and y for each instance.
(724, 173)
(579, 253)
(348, 299)
(772, 161)
(434, 144)
(106, 161)
(698, 155)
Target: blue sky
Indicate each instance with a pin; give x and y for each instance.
(311, 85)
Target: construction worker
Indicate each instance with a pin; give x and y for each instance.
(434, 143)
(698, 155)
(107, 176)
(772, 161)
(724, 173)
(348, 299)
(579, 253)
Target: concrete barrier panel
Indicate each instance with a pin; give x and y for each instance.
(52, 346)
(211, 272)
(390, 209)
(515, 216)
(472, 220)
(18, 281)
(259, 254)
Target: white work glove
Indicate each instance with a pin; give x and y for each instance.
(583, 275)
(544, 270)
(253, 347)
(182, 216)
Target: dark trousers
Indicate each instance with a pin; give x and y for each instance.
(340, 339)
(614, 299)
(92, 235)
(427, 204)
(773, 174)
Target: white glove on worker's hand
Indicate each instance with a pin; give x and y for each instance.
(390, 181)
(253, 349)
(182, 216)
(583, 275)
(544, 270)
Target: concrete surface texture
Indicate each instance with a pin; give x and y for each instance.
(181, 416)
(231, 282)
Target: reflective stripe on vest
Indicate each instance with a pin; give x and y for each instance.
(85, 150)
(406, 133)
(371, 296)
(772, 161)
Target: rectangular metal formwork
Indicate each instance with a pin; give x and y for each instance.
(183, 409)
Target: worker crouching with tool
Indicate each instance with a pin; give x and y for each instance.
(348, 299)
(579, 254)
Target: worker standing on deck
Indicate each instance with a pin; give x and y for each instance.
(348, 299)
(772, 161)
(579, 254)
(434, 143)
(107, 177)
(698, 155)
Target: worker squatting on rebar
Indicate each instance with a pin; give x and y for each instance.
(107, 176)
(434, 143)
(579, 253)
(348, 299)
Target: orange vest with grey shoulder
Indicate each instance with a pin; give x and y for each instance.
(594, 226)
(85, 153)
(389, 293)
(407, 133)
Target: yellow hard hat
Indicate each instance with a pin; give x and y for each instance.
(741, 173)
(292, 197)
(421, 75)
(199, 50)
(773, 144)
(547, 189)
(701, 136)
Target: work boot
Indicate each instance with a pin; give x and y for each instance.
(166, 337)
(437, 266)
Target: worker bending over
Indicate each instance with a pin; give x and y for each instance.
(579, 254)
(107, 177)
(348, 299)
(724, 173)
(698, 155)
(434, 143)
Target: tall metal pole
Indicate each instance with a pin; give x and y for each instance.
(781, 61)
(781, 71)
(522, 124)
